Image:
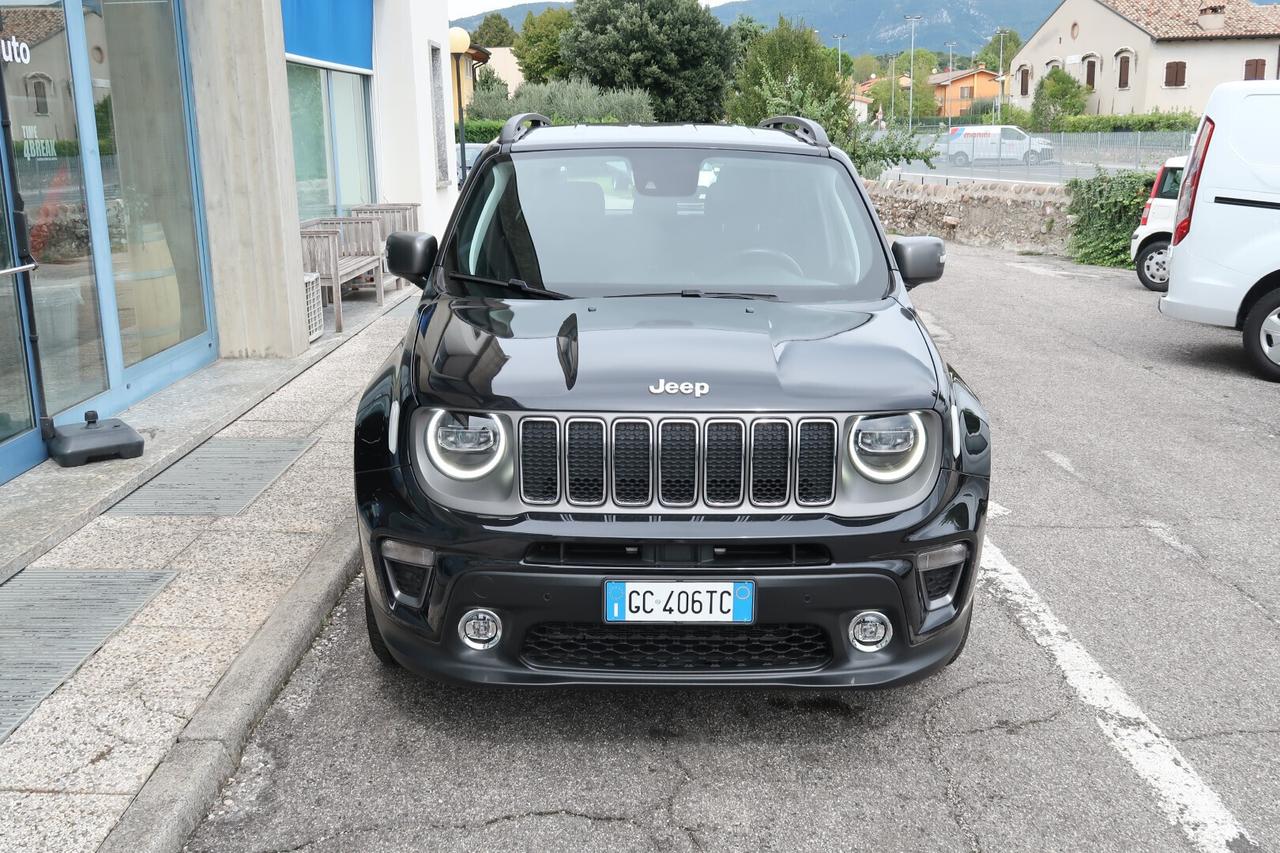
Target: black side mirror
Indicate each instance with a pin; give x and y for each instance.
(920, 259)
(410, 255)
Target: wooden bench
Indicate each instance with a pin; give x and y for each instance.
(343, 250)
(393, 217)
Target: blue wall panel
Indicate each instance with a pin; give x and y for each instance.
(337, 31)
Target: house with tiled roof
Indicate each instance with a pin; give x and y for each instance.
(1141, 55)
(957, 90)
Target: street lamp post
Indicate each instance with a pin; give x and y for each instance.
(911, 93)
(893, 89)
(459, 44)
(946, 91)
(840, 37)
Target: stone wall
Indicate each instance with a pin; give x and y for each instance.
(1021, 217)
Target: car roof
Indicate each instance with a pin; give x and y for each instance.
(663, 136)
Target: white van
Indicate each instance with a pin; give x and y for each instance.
(964, 145)
(1224, 265)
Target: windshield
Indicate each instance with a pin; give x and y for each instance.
(626, 221)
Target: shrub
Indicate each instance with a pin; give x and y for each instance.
(1152, 121)
(1106, 208)
(1058, 94)
(480, 130)
(566, 102)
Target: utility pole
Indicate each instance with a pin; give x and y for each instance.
(840, 37)
(1000, 31)
(911, 93)
(893, 89)
(946, 91)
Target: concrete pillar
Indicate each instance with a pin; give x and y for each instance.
(412, 108)
(236, 50)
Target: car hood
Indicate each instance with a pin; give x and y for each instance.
(608, 354)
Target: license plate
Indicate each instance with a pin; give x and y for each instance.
(679, 601)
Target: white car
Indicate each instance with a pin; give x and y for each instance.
(1224, 267)
(1149, 246)
(967, 144)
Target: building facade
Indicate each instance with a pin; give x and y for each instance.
(957, 91)
(166, 152)
(1139, 56)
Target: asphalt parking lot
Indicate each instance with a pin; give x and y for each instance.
(1119, 690)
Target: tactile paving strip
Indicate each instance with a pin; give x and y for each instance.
(220, 477)
(51, 621)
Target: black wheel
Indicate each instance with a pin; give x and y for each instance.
(1262, 336)
(379, 646)
(1152, 265)
(964, 641)
(960, 158)
(1031, 158)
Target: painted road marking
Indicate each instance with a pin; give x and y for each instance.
(1184, 798)
(1062, 462)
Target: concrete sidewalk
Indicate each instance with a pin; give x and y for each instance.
(70, 770)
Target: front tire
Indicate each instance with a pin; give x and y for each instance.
(964, 641)
(1262, 336)
(1031, 158)
(960, 159)
(1152, 265)
(376, 643)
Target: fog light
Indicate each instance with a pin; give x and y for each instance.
(480, 629)
(870, 631)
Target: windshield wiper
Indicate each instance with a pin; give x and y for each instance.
(510, 284)
(695, 293)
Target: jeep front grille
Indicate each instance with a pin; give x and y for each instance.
(678, 463)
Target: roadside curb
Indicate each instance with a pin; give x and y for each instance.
(180, 790)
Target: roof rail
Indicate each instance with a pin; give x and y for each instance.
(803, 129)
(515, 126)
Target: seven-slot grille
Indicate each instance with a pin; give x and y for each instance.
(678, 462)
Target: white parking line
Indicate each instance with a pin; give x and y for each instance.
(1185, 799)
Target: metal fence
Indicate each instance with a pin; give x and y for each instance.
(1037, 157)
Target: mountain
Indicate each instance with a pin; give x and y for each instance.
(873, 26)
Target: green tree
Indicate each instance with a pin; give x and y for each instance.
(1058, 94)
(494, 31)
(863, 66)
(790, 54)
(487, 80)
(537, 48)
(675, 50)
(897, 107)
(742, 33)
(990, 53)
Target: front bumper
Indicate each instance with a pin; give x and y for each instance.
(488, 563)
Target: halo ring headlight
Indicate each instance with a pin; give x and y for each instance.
(907, 460)
(452, 469)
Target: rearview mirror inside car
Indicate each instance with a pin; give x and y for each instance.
(920, 259)
(410, 255)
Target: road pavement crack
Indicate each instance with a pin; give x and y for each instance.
(1192, 738)
(1013, 727)
(934, 738)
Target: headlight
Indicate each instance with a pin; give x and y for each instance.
(887, 449)
(465, 446)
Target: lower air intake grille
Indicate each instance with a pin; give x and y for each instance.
(675, 648)
(937, 583)
(539, 461)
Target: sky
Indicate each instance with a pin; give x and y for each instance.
(465, 8)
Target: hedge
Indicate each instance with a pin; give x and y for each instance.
(480, 130)
(1153, 121)
(1105, 209)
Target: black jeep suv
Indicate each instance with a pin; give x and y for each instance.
(665, 415)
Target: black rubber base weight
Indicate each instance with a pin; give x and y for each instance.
(94, 442)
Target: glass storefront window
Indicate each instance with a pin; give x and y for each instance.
(16, 414)
(309, 114)
(146, 173)
(351, 133)
(329, 111)
(47, 159)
